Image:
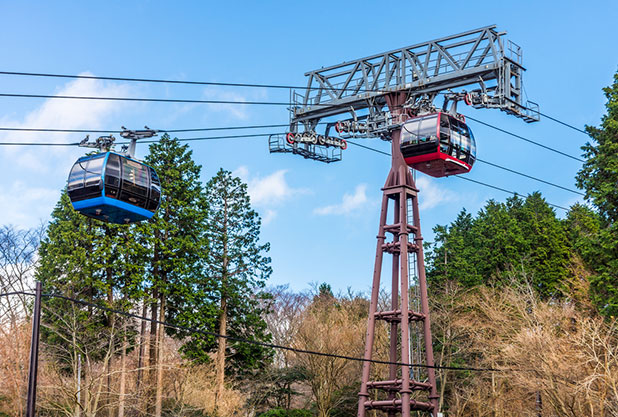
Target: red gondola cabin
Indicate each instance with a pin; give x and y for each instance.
(438, 144)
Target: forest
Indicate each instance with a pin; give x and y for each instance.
(175, 316)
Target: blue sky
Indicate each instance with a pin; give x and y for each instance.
(321, 220)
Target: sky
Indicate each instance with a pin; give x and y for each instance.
(320, 219)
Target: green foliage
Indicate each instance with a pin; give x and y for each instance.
(176, 238)
(599, 174)
(503, 236)
(234, 275)
(281, 412)
(599, 179)
(176, 233)
(158, 261)
(85, 259)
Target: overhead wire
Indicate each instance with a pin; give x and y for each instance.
(466, 178)
(8, 294)
(199, 129)
(515, 193)
(254, 342)
(265, 135)
(27, 129)
(247, 127)
(563, 123)
(249, 341)
(230, 84)
(151, 100)
(167, 81)
(524, 139)
(530, 177)
(141, 141)
(239, 102)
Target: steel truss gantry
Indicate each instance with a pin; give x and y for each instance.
(481, 60)
(477, 58)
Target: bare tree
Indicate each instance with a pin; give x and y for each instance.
(545, 349)
(18, 254)
(17, 263)
(334, 326)
(284, 319)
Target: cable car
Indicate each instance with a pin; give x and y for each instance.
(114, 188)
(438, 144)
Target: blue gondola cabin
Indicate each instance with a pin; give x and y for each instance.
(114, 188)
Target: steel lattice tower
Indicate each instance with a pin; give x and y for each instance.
(380, 92)
(399, 189)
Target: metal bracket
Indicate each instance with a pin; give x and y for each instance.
(102, 143)
(134, 135)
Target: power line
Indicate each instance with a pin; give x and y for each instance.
(152, 100)
(488, 163)
(225, 84)
(531, 177)
(167, 81)
(264, 344)
(564, 123)
(269, 134)
(516, 194)
(229, 84)
(525, 139)
(468, 179)
(200, 129)
(52, 130)
(38, 144)
(7, 294)
(142, 141)
(255, 135)
(249, 341)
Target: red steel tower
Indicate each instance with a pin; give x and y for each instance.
(380, 93)
(400, 194)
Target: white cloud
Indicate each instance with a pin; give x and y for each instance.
(26, 206)
(269, 216)
(349, 203)
(431, 195)
(33, 176)
(64, 114)
(242, 172)
(269, 190)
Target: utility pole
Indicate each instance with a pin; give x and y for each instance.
(34, 353)
(380, 93)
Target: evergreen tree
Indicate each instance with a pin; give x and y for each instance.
(89, 260)
(159, 262)
(545, 243)
(583, 226)
(599, 179)
(452, 256)
(237, 269)
(176, 239)
(503, 236)
(67, 266)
